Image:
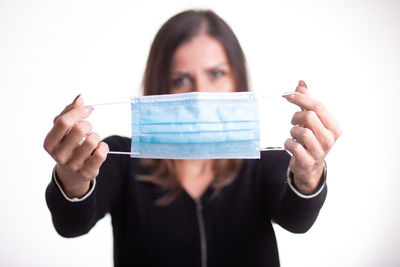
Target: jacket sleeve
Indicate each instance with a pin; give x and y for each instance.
(76, 217)
(286, 206)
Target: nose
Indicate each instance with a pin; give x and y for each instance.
(201, 84)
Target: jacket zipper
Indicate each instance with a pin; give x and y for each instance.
(203, 240)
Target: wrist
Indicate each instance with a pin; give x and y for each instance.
(77, 191)
(72, 189)
(311, 183)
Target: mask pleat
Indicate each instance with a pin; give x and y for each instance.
(196, 125)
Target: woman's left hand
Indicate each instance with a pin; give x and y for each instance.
(314, 133)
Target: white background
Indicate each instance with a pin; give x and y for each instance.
(348, 52)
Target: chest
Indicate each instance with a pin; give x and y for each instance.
(224, 230)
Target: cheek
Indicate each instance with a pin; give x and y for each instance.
(226, 84)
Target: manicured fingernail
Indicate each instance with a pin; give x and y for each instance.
(89, 108)
(302, 83)
(288, 96)
(76, 98)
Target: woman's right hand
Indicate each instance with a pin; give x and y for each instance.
(76, 149)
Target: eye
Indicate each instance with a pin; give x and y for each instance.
(217, 73)
(180, 81)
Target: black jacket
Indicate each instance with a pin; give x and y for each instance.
(233, 229)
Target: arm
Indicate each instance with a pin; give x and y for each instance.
(71, 217)
(298, 201)
(286, 205)
(76, 216)
(297, 212)
(79, 154)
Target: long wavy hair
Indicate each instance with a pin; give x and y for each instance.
(178, 30)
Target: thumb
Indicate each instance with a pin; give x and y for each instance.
(302, 88)
(78, 101)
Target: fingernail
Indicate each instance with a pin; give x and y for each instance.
(89, 108)
(302, 83)
(76, 98)
(288, 97)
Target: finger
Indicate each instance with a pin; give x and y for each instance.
(63, 126)
(308, 103)
(306, 137)
(83, 152)
(72, 140)
(301, 160)
(309, 119)
(77, 102)
(92, 165)
(302, 88)
(296, 148)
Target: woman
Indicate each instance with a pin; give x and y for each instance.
(190, 212)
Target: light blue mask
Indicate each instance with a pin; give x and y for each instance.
(195, 126)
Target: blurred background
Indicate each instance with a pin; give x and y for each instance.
(346, 51)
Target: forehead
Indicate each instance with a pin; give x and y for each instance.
(201, 52)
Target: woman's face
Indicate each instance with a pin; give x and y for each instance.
(201, 65)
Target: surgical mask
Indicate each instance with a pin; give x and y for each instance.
(196, 125)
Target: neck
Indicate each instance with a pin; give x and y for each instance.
(195, 176)
(193, 167)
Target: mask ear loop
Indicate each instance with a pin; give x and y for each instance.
(114, 103)
(269, 148)
(282, 95)
(110, 103)
(119, 153)
(261, 149)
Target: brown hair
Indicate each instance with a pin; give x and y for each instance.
(180, 29)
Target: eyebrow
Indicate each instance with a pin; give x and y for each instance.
(210, 68)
